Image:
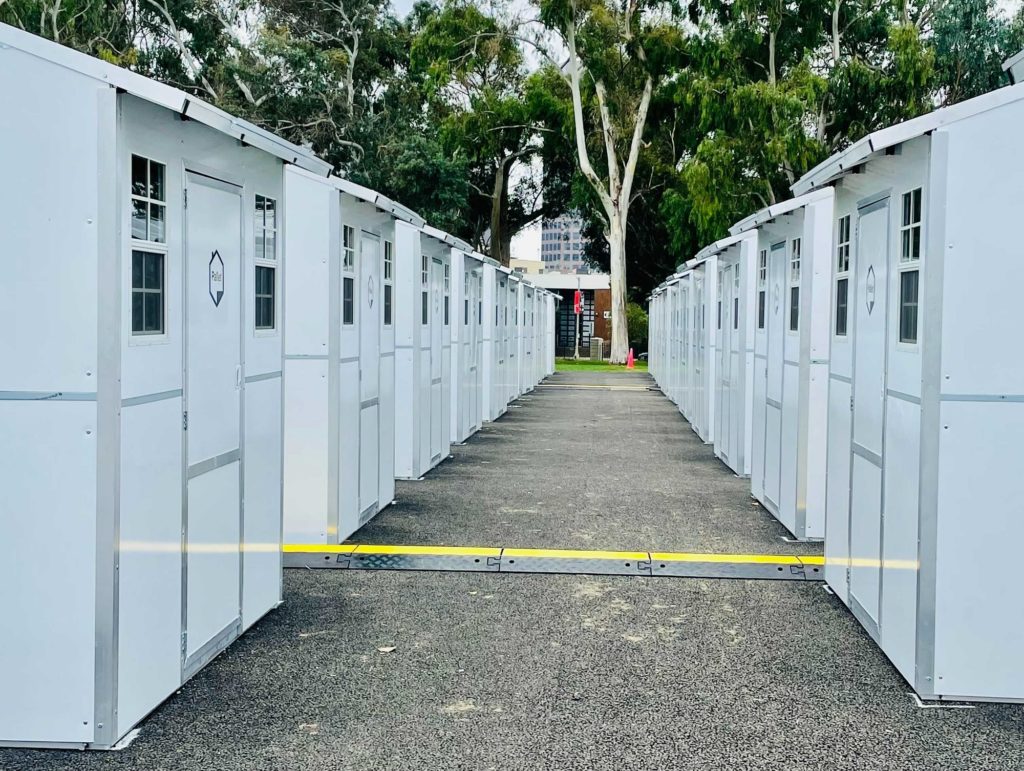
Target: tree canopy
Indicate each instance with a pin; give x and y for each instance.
(465, 111)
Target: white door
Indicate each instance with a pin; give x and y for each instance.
(212, 423)
(437, 429)
(871, 271)
(776, 313)
(369, 320)
(723, 401)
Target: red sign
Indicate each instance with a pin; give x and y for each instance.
(577, 303)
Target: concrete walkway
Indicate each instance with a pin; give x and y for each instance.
(576, 466)
(400, 670)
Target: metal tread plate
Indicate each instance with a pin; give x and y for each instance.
(566, 561)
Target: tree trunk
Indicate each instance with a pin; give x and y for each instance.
(497, 231)
(616, 237)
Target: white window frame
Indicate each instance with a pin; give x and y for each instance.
(843, 247)
(762, 290)
(261, 230)
(389, 283)
(153, 247)
(910, 263)
(795, 259)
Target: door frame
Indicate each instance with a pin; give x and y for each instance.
(377, 319)
(218, 180)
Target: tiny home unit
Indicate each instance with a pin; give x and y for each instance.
(926, 409)
(497, 334)
(527, 340)
(140, 395)
(686, 328)
(512, 350)
(339, 403)
(467, 342)
(422, 349)
(791, 348)
(706, 306)
(734, 366)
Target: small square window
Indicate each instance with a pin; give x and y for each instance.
(265, 293)
(348, 249)
(762, 287)
(908, 306)
(147, 293)
(842, 305)
(348, 300)
(148, 200)
(389, 260)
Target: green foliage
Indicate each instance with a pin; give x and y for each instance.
(636, 319)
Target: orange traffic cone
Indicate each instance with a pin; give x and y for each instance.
(629, 359)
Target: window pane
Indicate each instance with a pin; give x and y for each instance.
(905, 245)
(154, 313)
(917, 205)
(908, 306)
(260, 249)
(387, 304)
(842, 288)
(260, 205)
(138, 262)
(270, 248)
(157, 227)
(156, 181)
(348, 301)
(139, 218)
(736, 313)
(760, 309)
(139, 172)
(152, 277)
(446, 299)
(915, 245)
(137, 312)
(906, 209)
(794, 309)
(270, 212)
(423, 311)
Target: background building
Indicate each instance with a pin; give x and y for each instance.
(596, 319)
(561, 245)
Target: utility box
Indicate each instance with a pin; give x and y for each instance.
(339, 402)
(926, 407)
(596, 349)
(422, 350)
(791, 348)
(140, 395)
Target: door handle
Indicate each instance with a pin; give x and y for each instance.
(238, 377)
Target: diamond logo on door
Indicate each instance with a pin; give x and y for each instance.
(869, 289)
(216, 278)
(369, 291)
(776, 297)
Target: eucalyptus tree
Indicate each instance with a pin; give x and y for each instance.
(615, 54)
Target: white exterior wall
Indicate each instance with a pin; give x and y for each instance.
(102, 414)
(466, 370)
(408, 329)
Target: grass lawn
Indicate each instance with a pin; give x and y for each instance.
(586, 365)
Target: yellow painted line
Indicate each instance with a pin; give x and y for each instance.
(810, 559)
(318, 548)
(745, 559)
(599, 387)
(434, 551)
(577, 554)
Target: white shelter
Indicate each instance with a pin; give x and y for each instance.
(684, 299)
(339, 402)
(527, 334)
(791, 349)
(705, 294)
(422, 350)
(926, 408)
(497, 335)
(140, 395)
(467, 370)
(512, 329)
(734, 366)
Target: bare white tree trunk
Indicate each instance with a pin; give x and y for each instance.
(616, 236)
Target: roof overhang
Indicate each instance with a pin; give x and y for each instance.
(378, 200)
(168, 97)
(784, 207)
(1014, 68)
(872, 145)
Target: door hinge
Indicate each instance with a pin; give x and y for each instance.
(851, 404)
(184, 643)
(184, 195)
(184, 421)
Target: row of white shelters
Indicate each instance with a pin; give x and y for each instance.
(888, 395)
(339, 363)
(141, 391)
(791, 345)
(926, 393)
